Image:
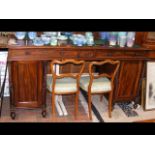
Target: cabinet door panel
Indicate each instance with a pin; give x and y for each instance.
(27, 84)
(129, 78)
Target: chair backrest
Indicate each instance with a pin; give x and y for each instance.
(110, 75)
(64, 62)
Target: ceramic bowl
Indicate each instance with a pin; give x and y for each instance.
(45, 39)
(32, 35)
(79, 40)
(38, 41)
(20, 35)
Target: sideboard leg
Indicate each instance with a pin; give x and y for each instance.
(13, 114)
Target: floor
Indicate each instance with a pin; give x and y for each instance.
(35, 115)
(99, 112)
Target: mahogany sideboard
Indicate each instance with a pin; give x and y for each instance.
(27, 69)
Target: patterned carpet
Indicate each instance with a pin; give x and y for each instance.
(124, 112)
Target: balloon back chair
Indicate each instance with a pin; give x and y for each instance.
(65, 83)
(101, 83)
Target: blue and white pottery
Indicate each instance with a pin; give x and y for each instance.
(38, 41)
(45, 39)
(81, 40)
(32, 35)
(20, 35)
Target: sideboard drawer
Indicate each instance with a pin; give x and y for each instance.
(86, 54)
(134, 54)
(69, 54)
(77, 54)
(28, 54)
(108, 54)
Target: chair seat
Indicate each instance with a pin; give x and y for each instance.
(64, 85)
(99, 85)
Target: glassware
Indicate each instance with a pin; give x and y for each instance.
(88, 34)
(122, 39)
(89, 38)
(90, 41)
(54, 41)
(130, 39)
(112, 38)
(104, 36)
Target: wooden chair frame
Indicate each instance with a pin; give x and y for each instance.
(92, 77)
(76, 76)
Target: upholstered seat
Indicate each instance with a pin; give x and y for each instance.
(64, 85)
(99, 85)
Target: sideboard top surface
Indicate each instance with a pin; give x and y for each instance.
(79, 48)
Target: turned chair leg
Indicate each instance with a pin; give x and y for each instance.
(76, 104)
(53, 104)
(110, 104)
(90, 106)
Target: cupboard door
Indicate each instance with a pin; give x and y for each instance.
(27, 81)
(149, 40)
(149, 37)
(129, 79)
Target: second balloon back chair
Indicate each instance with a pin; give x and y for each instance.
(101, 83)
(65, 83)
